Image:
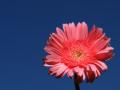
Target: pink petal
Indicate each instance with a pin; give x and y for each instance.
(106, 50)
(52, 61)
(81, 73)
(61, 34)
(88, 68)
(76, 69)
(84, 75)
(65, 72)
(95, 34)
(67, 31)
(55, 67)
(104, 56)
(102, 65)
(82, 31)
(70, 73)
(95, 70)
(52, 50)
(56, 40)
(47, 65)
(100, 44)
(72, 29)
(61, 70)
(53, 56)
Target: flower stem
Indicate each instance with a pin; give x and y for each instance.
(77, 85)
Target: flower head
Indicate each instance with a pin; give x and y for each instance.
(74, 50)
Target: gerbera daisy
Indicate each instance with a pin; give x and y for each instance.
(74, 51)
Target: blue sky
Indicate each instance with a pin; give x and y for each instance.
(25, 26)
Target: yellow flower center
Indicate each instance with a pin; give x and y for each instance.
(77, 54)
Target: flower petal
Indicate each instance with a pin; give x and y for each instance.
(60, 71)
(67, 31)
(100, 44)
(106, 50)
(76, 69)
(95, 34)
(70, 73)
(95, 70)
(104, 56)
(61, 34)
(102, 65)
(90, 76)
(82, 31)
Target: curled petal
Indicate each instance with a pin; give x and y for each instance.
(90, 76)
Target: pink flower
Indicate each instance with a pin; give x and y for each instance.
(74, 50)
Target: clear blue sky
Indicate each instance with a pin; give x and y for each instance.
(24, 28)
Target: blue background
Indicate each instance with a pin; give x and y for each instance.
(25, 26)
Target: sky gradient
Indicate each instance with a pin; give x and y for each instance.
(25, 26)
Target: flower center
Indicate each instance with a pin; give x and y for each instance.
(74, 53)
(77, 54)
